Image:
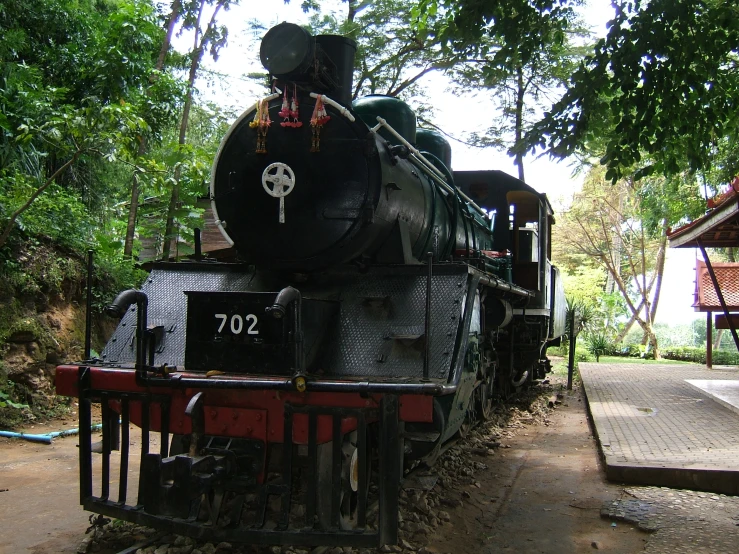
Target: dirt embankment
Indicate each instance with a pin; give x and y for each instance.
(42, 325)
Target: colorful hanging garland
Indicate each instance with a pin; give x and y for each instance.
(262, 122)
(290, 111)
(317, 121)
(284, 113)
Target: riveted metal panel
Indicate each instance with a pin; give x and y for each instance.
(381, 328)
(378, 333)
(168, 309)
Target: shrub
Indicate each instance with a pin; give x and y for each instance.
(13, 410)
(598, 344)
(633, 351)
(113, 274)
(6, 401)
(581, 352)
(582, 355)
(698, 355)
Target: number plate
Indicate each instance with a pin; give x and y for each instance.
(231, 331)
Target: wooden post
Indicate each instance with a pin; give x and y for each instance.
(709, 340)
(720, 295)
(573, 339)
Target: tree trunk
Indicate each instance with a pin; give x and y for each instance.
(653, 342)
(173, 17)
(625, 331)
(719, 336)
(659, 271)
(174, 199)
(518, 145)
(143, 146)
(14, 216)
(134, 205)
(200, 43)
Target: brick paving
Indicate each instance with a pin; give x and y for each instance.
(656, 428)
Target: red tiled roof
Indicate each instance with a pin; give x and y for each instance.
(719, 227)
(705, 298)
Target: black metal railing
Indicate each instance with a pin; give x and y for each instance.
(319, 502)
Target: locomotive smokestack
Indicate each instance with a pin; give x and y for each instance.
(324, 63)
(288, 51)
(340, 50)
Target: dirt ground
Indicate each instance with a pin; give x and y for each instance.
(535, 487)
(39, 502)
(542, 492)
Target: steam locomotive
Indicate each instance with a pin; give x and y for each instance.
(379, 304)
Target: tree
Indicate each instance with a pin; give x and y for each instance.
(392, 55)
(519, 84)
(522, 28)
(623, 228)
(143, 142)
(210, 37)
(68, 73)
(666, 78)
(191, 162)
(520, 51)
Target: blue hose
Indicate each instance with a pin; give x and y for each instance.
(46, 438)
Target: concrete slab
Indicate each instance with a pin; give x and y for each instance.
(725, 393)
(656, 428)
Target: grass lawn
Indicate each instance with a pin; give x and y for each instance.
(625, 360)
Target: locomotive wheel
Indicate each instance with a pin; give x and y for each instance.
(505, 386)
(349, 485)
(465, 428)
(469, 418)
(484, 398)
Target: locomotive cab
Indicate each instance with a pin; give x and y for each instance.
(526, 232)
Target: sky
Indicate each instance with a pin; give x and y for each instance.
(453, 115)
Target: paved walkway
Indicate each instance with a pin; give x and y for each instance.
(666, 425)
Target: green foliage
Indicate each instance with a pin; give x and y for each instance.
(635, 351)
(523, 29)
(519, 83)
(692, 334)
(113, 273)
(698, 355)
(191, 162)
(58, 215)
(584, 313)
(44, 272)
(664, 83)
(28, 326)
(581, 353)
(32, 266)
(598, 344)
(583, 284)
(676, 200)
(74, 89)
(13, 406)
(392, 55)
(89, 47)
(29, 406)
(6, 402)
(622, 228)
